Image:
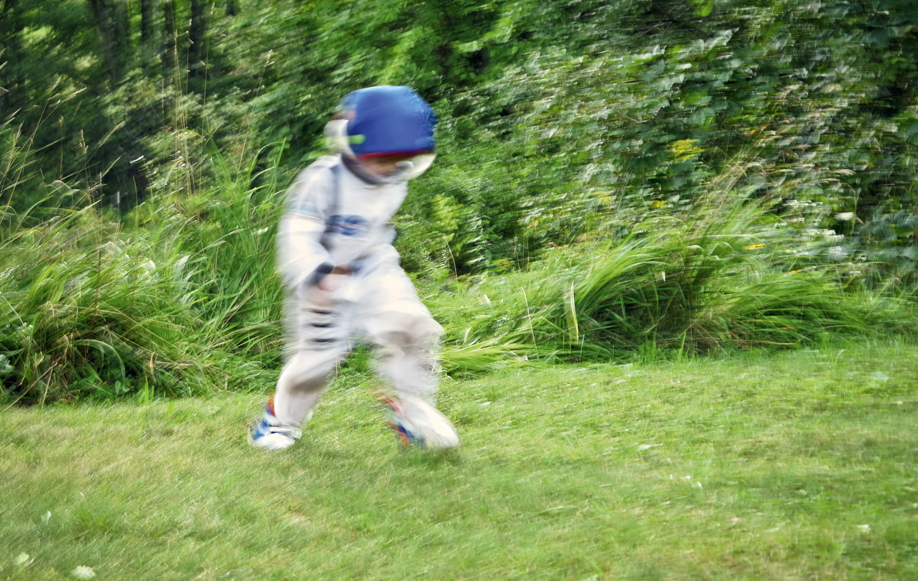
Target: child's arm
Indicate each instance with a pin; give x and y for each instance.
(302, 259)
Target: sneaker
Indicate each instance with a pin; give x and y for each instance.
(417, 423)
(269, 433)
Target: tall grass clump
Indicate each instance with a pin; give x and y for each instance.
(178, 297)
(89, 310)
(728, 274)
(14, 163)
(230, 250)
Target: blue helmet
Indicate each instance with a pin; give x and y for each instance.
(388, 121)
(384, 121)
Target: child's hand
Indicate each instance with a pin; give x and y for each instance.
(334, 279)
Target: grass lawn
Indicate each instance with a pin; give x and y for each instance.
(795, 466)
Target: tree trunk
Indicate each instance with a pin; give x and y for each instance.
(146, 22)
(168, 53)
(111, 26)
(147, 33)
(10, 78)
(197, 30)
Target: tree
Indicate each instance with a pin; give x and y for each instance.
(112, 25)
(168, 53)
(197, 33)
(11, 26)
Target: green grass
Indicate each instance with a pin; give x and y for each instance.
(723, 278)
(800, 465)
(180, 296)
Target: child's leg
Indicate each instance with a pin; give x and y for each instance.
(407, 336)
(301, 384)
(398, 323)
(318, 331)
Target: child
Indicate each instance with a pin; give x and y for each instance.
(342, 274)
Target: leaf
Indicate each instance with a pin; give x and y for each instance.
(704, 10)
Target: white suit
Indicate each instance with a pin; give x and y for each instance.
(334, 218)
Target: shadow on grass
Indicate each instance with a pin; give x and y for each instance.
(419, 457)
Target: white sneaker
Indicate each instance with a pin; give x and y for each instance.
(271, 434)
(417, 423)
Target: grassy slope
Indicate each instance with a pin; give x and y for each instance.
(800, 466)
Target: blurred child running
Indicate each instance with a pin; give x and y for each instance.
(342, 275)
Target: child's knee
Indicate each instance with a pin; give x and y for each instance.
(307, 371)
(408, 328)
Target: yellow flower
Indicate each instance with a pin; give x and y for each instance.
(685, 149)
(753, 246)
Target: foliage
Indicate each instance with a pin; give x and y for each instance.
(569, 143)
(719, 280)
(180, 300)
(617, 177)
(86, 310)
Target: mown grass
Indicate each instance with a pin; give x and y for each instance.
(794, 466)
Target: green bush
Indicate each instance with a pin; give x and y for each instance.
(726, 275)
(613, 179)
